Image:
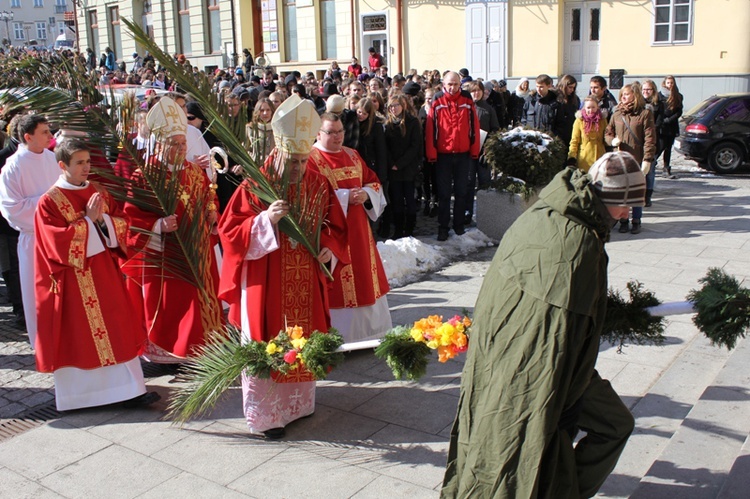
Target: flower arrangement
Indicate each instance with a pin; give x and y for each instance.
(405, 349)
(217, 364)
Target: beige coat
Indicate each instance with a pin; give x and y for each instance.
(641, 143)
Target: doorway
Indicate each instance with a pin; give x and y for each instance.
(581, 45)
(486, 28)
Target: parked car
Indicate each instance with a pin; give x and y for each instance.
(716, 132)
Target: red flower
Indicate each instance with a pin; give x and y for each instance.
(290, 356)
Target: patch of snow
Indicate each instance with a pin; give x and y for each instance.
(406, 259)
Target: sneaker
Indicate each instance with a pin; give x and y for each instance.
(624, 226)
(442, 235)
(636, 227)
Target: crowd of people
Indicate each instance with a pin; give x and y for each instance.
(370, 148)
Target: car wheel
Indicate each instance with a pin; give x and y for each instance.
(725, 157)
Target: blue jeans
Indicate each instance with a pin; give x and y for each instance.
(452, 178)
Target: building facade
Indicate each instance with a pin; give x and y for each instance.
(705, 44)
(202, 30)
(33, 22)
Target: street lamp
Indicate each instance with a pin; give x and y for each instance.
(7, 17)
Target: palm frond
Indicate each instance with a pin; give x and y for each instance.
(230, 132)
(213, 370)
(723, 307)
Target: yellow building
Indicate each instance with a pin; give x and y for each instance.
(704, 43)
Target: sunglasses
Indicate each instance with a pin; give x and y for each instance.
(190, 117)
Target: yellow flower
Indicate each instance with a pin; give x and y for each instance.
(417, 334)
(433, 344)
(298, 343)
(272, 348)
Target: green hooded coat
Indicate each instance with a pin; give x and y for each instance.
(532, 351)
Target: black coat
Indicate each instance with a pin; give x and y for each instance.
(541, 113)
(373, 150)
(404, 151)
(669, 123)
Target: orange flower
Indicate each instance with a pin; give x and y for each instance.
(295, 332)
(467, 321)
(445, 353)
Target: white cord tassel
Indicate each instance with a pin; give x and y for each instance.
(672, 308)
(218, 151)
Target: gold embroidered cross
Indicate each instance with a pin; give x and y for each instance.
(303, 123)
(173, 114)
(185, 197)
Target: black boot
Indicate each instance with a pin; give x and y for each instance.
(636, 226)
(411, 222)
(398, 226)
(649, 193)
(624, 226)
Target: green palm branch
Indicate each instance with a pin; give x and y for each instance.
(231, 132)
(73, 100)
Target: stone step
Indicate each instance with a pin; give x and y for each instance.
(660, 412)
(700, 456)
(738, 481)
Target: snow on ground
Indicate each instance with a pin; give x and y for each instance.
(406, 259)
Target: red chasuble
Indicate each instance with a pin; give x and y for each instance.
(286, 286)
(363, 281)
(178, 316)
(82, 306)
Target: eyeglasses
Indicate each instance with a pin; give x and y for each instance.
(333, 132)
(190, 117)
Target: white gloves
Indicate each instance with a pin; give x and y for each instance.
(645, 167)
(616, 142)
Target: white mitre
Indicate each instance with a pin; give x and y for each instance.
(295, 125)
(166, 119)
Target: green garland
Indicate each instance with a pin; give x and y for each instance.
(406, 358)
(222, 360)
(723, 308)
(629, 322)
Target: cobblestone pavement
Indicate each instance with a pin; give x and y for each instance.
(22, 388)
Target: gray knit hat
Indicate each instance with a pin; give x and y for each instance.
(618, 180)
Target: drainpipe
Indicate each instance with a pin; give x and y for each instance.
(351, 6)
(234, 35)
(400, 38)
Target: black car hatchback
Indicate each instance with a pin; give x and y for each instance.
(716, 132)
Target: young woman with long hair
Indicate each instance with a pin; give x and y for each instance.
(569, 105)
(371, 146)
(631, 129)
(405, 147)
(259, 130)
(655, 104)
(670, 129)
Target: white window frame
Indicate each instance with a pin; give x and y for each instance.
(16, 4)
(672, 6)
(18, 32)
(41, 29)
(39, 4)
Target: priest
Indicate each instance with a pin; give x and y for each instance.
(80, 294)
(359, 307)
(270, 280)
(171, 242)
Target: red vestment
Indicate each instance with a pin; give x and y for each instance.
(81, 301)
(286, 286)
(178, 315)
(362, 282)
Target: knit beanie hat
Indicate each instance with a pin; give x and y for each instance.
(618, 179)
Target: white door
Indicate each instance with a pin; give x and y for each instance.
(379, 43)
(485, 30)
(582, 28)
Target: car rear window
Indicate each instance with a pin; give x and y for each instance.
(704, 107)
(735, 110)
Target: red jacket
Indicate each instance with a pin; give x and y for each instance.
(452, 126)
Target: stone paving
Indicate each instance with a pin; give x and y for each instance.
(372, 436)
